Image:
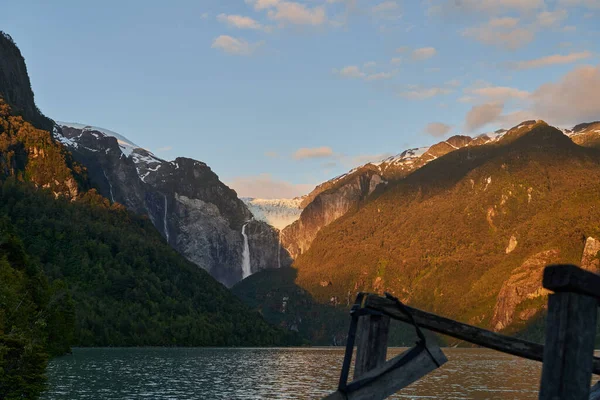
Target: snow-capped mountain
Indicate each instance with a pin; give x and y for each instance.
(332, 199)
(276, 212)
(197, 214)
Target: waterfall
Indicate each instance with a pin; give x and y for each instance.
(112, 198)
(246, 270)
(279, 250)
(165, 220)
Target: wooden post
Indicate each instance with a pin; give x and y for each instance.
(570, 335)
(372, 341)
(469, 333)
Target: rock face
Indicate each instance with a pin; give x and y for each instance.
(332, 199)
(587, 134)
(325, 208)
(524, 283)
(318, 213)
(589, 260)
(15, 86)
(196, 213)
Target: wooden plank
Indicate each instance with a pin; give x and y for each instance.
(569, 348)
(569, 278)
(371, 345)
(459, 330)
(387, 381)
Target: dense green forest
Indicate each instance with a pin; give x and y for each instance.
(76, 269)
(130, 288)
(36, 319)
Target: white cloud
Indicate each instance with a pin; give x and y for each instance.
(437, 129)
(548, 19)
(387, 10)
(266, 187)
(573, 99)
(380, 76)
(164, 149)
(506, 22)
(272, 154)
(482, 115)
(453, 83)
(402, 49)
(370, 64)
(350, 71)
(512, 33)
(499, 93)
(315, 152)
(396, 60)
(501, 35)
(594, 4)
(240, 22)
(418, 93)
(552, 60)
(489, 7)
(354, 72)
(235, 46)
(423, 53)
(263, 4)
(385, 7)
(297, 13)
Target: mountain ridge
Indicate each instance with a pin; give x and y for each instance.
(467, 220)
(196, 213)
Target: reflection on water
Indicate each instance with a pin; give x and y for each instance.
(305, 373)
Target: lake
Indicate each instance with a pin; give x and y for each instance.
(271, 373)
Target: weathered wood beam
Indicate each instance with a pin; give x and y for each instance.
(372, 341)
(385, 380)
(459, 330)
(569, 278)
(569, 349)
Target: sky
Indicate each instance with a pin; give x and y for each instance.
(277, 96)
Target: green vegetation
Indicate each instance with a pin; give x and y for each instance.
(280, 301)
(438, 238)
(36, 319)
(130, 288)
(77, 270)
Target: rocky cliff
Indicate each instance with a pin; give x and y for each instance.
(467, 234)
(334, 198)
(185, 200)
(15, 87)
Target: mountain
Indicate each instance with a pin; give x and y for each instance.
(467, 234)
(334, 198)
(129, 287)
(196, 213)
(587, 134)
(16, 90)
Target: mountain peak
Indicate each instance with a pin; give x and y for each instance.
(15, 86)
(106, 132)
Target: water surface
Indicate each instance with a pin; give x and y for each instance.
(275, 373)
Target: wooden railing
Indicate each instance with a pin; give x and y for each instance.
(567, 355)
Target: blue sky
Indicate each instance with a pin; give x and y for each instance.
(280, 95)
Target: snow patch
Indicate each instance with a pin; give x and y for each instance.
(278, 213)
(121, 139)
